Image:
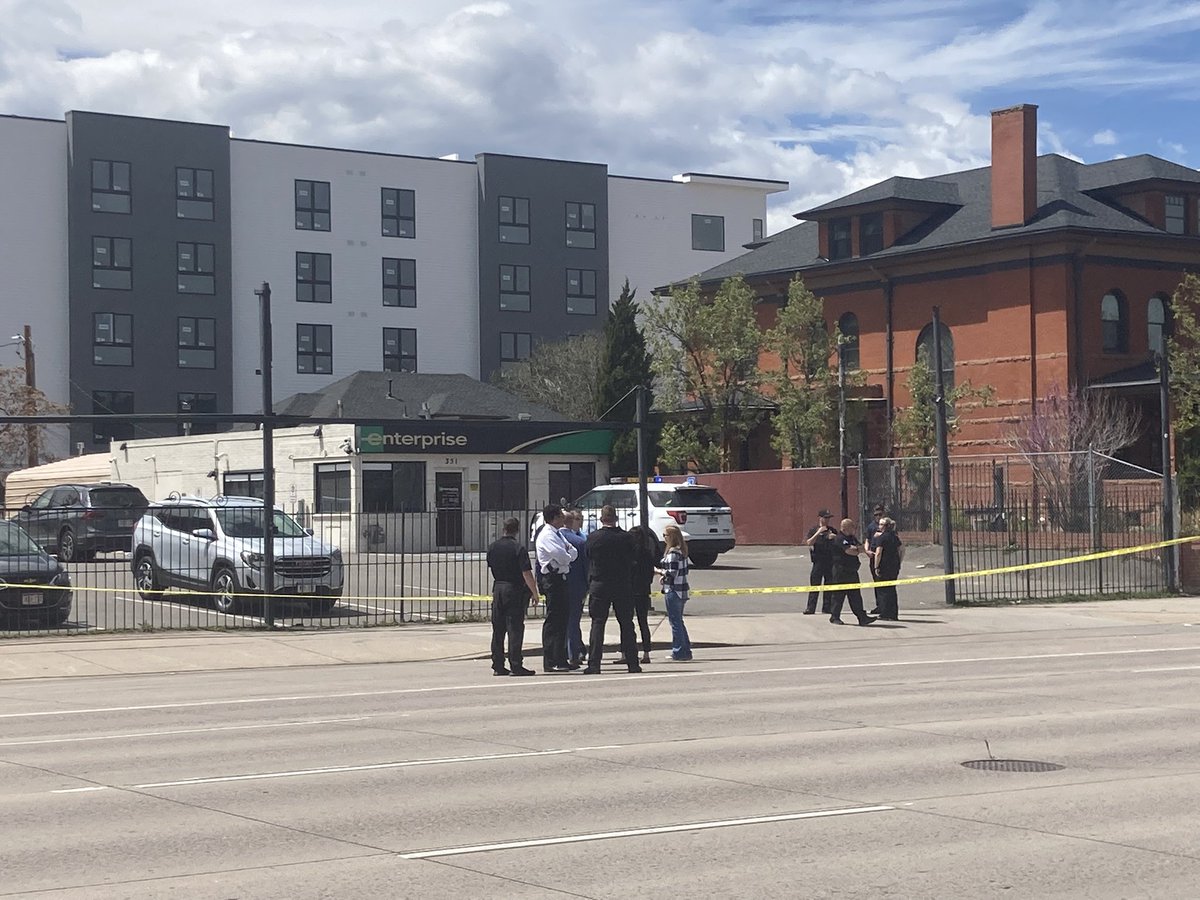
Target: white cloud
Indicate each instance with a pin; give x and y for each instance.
(830, 101)
(1105, 138)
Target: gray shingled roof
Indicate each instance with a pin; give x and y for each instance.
(919, 190)
(365, 395)
(1067, 198)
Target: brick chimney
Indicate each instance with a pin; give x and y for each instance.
(1014, 165)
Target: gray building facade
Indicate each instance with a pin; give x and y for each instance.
(150, 295)
(543, 254)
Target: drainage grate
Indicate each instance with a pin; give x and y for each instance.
(1012, 765)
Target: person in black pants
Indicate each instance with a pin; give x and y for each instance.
(554, 557)
(876, 526)
(646, 554)
(823, 541)
(611, 554)
(845, 571)
(512, 588)
(888, 553)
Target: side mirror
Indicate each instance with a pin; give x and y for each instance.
(308, 531)
(206, 534)
(26, 508)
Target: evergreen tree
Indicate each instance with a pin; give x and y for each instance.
(624, 365)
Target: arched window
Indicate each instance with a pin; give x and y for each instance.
(925, 351)
(1158, 322)
(848, 340)
(1114, 323)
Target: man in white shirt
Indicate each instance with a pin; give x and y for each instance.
(554, 558)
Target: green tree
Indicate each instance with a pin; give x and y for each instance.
(625, 365)
(804, 388)
(563, 375)
(18, 399)
(705, 353)
(1183, 351)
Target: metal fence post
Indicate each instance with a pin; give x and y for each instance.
(268, 448)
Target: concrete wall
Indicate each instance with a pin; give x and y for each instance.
(266, 242)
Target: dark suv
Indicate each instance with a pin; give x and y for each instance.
(77, 521)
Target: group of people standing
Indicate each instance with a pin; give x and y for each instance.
(837, 558)
(613, 570)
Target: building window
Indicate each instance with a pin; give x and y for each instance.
(312, 205)
(112, 403)
(708, 233)
(514, 220)
(581, 225)
(1158, 324)
(243, 484)
(925, 351)
(399, 212)
(314, 349)
(314, 278)
(514, 288)
(399, 282)
(839, 239)
(570, 481)
(503, 487)
(1114, 323)
(393, 487)
(196, 267)
(197, 343)
(515, 346)
(112, 339)
(331, 487)
(111, 191)
(756, 230)
(399, 349)
(197, 403)
(581, 292)
(870, 234)
(848, 341)
(1176, 211)
(194, 194)
(112, 263)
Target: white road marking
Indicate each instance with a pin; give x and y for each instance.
(491, 684)
(1168, 669)
(166, 604)
(638, 832)
(330, 770)
(142, 734)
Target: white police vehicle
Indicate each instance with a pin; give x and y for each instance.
(699, 510)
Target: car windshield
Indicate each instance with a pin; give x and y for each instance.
(247, 522)
(118, 498)
(15, 541)
(688, 497)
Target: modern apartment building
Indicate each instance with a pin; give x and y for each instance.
(141, 243)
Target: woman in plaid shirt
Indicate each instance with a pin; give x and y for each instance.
(673, 568)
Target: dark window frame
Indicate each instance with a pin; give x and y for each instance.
(840, 240)
(698, 236)
(339, 474)
(399, 358)
(870, 233)
(209, 399)
(757, 230)
(196, 344)
(401, 290)
(191, 280)
(513, 224)
(108, 188)
(395, 215)
(516, 337)
(518, 275)
(848, 348)
(106, 403)
(313, 213)
(312, 330)
(111, 245)
(249, 477)
(394, 499)
(1114, 329)
(581, 235)
(1163, 324)
(112, 342)
(507, 487)
(580, 294)
(314, 289)
(1180, 219)
(192, 194)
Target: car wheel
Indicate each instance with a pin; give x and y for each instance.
(145, 577)
(67, 551)
(225, 590)
(702, 560)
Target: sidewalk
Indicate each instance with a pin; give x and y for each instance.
(198, 651)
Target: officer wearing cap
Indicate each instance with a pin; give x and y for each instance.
(822, 542)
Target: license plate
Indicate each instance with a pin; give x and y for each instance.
(712, 520)
(125, 523)
(304, 589)
(31, 598)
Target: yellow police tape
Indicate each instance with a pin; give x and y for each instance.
(714, 592)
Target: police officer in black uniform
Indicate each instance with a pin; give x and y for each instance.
(512, 589)
(611, 556)
(823, 542)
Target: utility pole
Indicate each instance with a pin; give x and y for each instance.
(1164, 407)
(643, 468)
(943, 445)
(845, 493)
(31, 432)
(268, 445)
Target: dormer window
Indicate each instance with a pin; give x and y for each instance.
(1176, 209)
(870, 234)
(839, 239)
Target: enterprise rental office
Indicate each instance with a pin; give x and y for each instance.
(418, 486)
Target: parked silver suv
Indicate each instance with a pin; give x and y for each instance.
(216, 546)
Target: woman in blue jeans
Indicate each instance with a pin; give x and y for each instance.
(673, 568)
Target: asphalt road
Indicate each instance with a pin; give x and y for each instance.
(816, 770)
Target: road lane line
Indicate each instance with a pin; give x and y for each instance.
(532, 682)
(639, 832)
(180, 607)
(214, 728)
(1168, 669)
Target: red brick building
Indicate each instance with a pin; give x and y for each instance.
(1048, 272)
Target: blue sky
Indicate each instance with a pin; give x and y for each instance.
(828, 96)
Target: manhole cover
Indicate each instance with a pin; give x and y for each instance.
(1012, 765)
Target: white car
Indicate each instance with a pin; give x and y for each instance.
(216, 546)
(699, 510)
